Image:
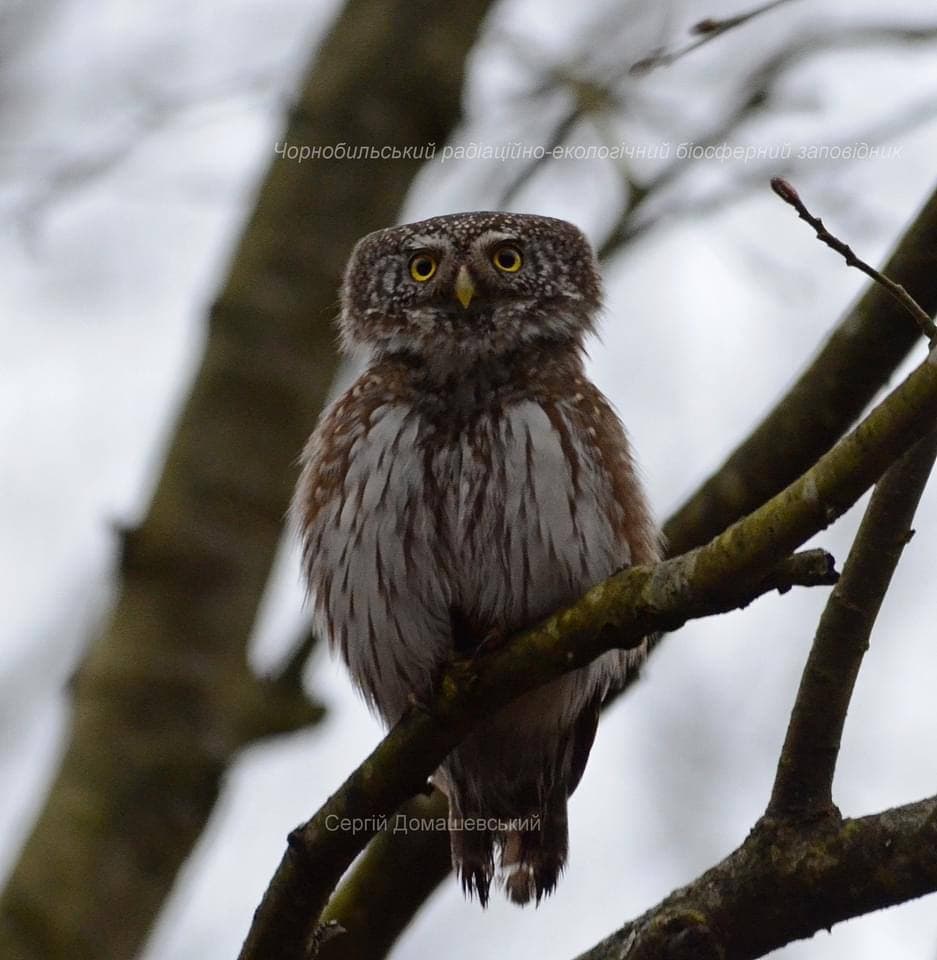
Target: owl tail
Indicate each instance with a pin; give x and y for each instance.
(533, 857)
(531, 861)
(473, 859)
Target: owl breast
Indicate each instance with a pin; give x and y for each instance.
(419, 529)
(531, 516)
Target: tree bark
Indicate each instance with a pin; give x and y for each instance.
(785, 883)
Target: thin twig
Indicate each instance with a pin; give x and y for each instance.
(790, 196)
(858, 359)
(706, 30)
(759, 89)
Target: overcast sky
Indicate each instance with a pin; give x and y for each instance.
(133, 137)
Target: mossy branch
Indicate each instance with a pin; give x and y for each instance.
(726, 573)
(400, 869)
(800, 850)
(784, 883)
(616, 613)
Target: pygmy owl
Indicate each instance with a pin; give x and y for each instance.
(470, 482)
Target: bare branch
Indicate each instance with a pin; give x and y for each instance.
(596, 96)
(804, 782)
(816, 874)
(851, 367)
(389, 883)
(266, 706)
(815, 865)
(757, 93)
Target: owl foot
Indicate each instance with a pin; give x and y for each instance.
(531, 863)
(493, 640)
(519, 884)
(417, 703)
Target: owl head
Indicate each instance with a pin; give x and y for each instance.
(470, 284)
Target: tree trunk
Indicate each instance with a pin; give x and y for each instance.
(165, 698)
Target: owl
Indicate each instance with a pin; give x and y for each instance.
(470, 482)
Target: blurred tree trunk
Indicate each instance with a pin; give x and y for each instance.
(165, 698)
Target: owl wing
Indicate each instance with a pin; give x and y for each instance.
(590, 416)
(628, 512)
(370, 544)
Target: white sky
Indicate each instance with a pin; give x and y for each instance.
(132, 139)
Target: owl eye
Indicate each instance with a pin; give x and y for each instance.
(507, 258)
(422, 267)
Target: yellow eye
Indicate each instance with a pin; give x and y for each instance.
(507, 258)
(422, 267)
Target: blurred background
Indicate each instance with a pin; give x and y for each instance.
(148, 218)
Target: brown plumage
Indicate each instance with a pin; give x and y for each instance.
(471, 481)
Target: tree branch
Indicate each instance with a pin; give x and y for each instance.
(278, 703)
(393, 878)
(809, 568)
(724, 574)
(800, 850)
(856, 361)
(399, 870)
(804, 782)
(786, 883)
(618, 612)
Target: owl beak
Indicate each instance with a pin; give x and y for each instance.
(464, 287)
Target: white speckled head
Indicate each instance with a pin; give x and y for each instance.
(479, 283)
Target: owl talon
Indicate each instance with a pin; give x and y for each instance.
(428, 788)
(417, 703)
(493, 640)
